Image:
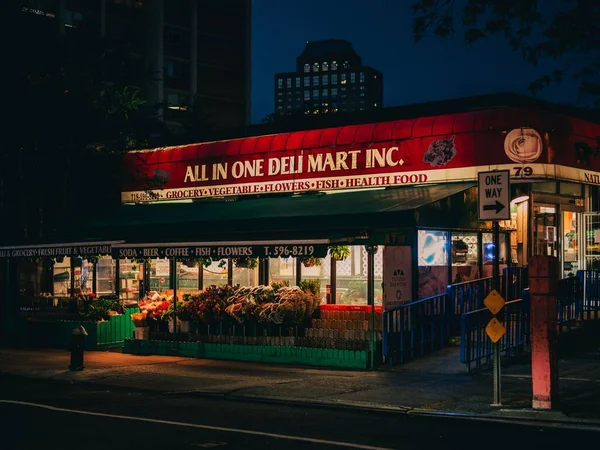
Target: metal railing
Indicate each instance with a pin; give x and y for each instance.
(569, 301)
(409, 330)
(476, 346)
(416, 328)
(590, 293)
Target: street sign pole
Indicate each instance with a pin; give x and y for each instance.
(496, 286)
(494, 205)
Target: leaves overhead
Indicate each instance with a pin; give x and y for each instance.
(567, 32)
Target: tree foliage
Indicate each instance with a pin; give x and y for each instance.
(565, 31)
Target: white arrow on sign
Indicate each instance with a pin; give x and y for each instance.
(494, 195)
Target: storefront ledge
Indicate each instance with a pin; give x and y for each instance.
(29, 332)
(321, 357)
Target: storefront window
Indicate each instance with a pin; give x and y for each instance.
(187, 276)
(30, 282)
(570, 243)
(83, 273)
(62, 277)
(592, 241)
(547, 187)
(130, 275)
(283, 270)
(247, 274)
(487, 253)
(105, 270)
(351, 277)
(216, 273)
(572, 189)
(465, 257)
(433, 262)
(544, 230)
(318, 269)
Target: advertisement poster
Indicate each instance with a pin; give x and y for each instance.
(397, 276)
(162, 267)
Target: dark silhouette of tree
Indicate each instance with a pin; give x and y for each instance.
(566, 31)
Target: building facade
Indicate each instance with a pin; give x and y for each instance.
(329, 77)
(174, 49)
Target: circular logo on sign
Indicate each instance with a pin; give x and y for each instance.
(162, 280)
(523, 145)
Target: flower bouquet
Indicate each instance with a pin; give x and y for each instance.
(141, 330)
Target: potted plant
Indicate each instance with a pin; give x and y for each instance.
(244, 261)
(339, 252)
(310, 261)
(141, 328)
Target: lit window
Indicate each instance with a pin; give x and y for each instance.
(362, 88)
(343, 78)
(280, 83)
(288, 83)
(297, 82)
(375, 105)
(289, 106)
(333, 92)
(315, 93)
(280, 107)
(362, 109)
(362, 77)
(352, 77)
(334, 78)
(315, 67)
(279, 94)
(325, 67)
(306, 67)
(289, 93)
(325, 92)
(346, 64)
(306, 95)
(325, 79)
(315, 80)
(362, 94)
(307, 81)
(279, 100)
(334, 65)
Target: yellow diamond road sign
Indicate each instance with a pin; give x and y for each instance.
(495, 330)
(494, 302)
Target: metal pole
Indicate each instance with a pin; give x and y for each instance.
(371, 300)
(174, 278)
(496, 286)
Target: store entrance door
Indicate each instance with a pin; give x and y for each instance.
(571, 222)
(544, 230)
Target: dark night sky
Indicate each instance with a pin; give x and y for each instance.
(380, 31)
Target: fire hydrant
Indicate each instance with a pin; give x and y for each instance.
(77, 343)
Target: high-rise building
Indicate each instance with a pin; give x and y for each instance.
(329, 77)
(179, 52)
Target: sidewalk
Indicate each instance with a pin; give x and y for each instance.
(431, 385)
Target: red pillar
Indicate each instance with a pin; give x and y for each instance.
(543, 278)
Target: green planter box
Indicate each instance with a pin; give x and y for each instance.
(321, 357)
(57, 334)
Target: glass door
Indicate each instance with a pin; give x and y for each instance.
(591, 245)
(544, 230)
(570, 243)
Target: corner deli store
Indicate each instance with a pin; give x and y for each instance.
(401, 195)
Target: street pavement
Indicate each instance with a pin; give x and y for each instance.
(40, 413)
(430, 385)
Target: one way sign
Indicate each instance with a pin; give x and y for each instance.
(494, 195)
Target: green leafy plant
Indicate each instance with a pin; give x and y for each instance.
(248, 263)
(339, 252)
(312, 286)
(310, 261)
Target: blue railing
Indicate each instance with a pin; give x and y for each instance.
(569, 301)
(409, 330)
(416, 328)
(476, 346)
(590, 293)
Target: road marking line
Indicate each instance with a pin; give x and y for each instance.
(194, 425)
